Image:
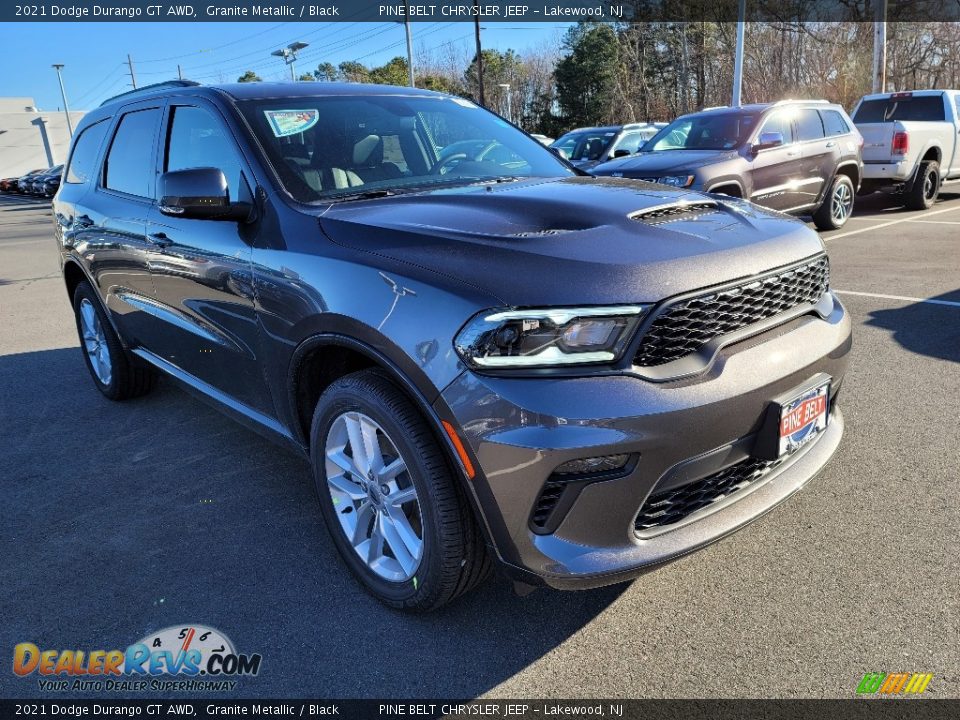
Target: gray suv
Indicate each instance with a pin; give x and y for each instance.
(488, 358)
(801, 157)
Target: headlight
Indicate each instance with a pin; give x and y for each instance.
(547, 337)
(677, 180)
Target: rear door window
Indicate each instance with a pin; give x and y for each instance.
(130, 166)
(927, 108)
(85, 151)
(809, 126)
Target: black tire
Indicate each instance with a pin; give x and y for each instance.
(454, 557)
(129, 376)
(837, 204)
(925, 188)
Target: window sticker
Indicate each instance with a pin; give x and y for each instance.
(291, 122)
(463, 102)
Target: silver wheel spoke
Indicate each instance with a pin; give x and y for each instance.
(339, 458)
(404, 546)
(361, 531)
(349, 488)
(375, 543)
(402, 496)
(391, 471)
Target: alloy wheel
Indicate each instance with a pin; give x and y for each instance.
(841, 203)
(374, 497)
(95, 342)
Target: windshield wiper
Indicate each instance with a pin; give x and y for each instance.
(362, 195)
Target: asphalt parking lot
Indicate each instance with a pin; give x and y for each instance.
(122, 519)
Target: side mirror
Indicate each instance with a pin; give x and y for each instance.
(768, 140)
(620, 153)
(201, 194)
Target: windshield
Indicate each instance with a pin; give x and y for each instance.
(904, 107)
(585, 144)
(328, 147)
(709, 131)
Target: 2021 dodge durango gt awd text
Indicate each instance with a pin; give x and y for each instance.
(485, 360)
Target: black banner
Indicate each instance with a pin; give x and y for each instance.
(487, 11)
(489, 709)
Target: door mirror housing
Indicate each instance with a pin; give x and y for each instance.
(620, 153)
(201, 194)
(768, 140)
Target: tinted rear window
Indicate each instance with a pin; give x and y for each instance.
(129, 166)
(925, 107)
(833, 123)
(84, 158)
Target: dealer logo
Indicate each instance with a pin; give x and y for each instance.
(183, 651)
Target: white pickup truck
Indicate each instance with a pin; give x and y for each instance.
(910, 143)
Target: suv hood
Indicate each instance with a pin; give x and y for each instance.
(580, 240)
(656, 163)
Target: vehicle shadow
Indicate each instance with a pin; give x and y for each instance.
(924, 328)
(882, 204)
(127, 518)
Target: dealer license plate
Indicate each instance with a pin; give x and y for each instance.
(803, 418)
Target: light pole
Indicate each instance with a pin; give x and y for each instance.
(738, 53)
(406, 23)
(289, 55)
(63, 93)
(506, 89)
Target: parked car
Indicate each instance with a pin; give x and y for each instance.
(910, 143)
(568, 375)
(586, 147)
(47, 182)
(8, 184)
(24, 181)
(792, 156)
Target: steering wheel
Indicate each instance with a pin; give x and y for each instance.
(441, 168)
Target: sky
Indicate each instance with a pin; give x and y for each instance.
(96, 59)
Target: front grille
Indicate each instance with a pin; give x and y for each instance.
(683, 327)
(672, 506)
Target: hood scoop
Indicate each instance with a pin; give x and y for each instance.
(546, 232)
(675, 211)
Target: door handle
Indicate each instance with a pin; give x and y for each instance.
(160, 240)
(831, 144)
(792, 153)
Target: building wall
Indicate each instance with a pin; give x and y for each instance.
(30, 139)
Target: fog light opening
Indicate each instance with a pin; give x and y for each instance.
(593, 465)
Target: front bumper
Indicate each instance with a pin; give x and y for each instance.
(520, 430)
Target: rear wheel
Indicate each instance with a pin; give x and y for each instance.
(837, 205)
(391, 503)
(116, 373)
(925, 188)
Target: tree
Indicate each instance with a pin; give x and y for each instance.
(499, 68)
(249, 76)
(307, 77)
(325, 72)
(587, 75)
(393, 73)
(352, 71)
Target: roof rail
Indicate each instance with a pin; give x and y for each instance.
(150, 88)
(809, 102)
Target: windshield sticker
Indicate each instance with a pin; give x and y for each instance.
(463, 103)
(291, 122)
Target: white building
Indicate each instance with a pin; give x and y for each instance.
(31, 139)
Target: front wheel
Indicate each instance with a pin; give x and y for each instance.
(925, 188)
(837, 205)
(391, 503)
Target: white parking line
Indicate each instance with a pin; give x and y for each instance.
(937, 222)
(948, 303)
(888, 224)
